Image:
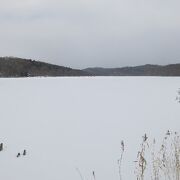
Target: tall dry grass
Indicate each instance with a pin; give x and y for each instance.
(161, 160)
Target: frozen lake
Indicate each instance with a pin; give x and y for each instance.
(69, 123)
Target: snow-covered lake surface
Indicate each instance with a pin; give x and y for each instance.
(69, 123)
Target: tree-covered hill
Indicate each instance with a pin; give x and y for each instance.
(18, 67)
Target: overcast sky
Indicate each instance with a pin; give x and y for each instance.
(86, 33)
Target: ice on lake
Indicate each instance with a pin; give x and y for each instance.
(70, 123)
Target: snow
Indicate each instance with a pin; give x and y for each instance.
(70, 123)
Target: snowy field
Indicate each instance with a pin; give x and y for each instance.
(69, 123)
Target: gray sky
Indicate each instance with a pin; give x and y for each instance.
(85, 33)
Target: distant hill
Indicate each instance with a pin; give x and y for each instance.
(145, 70)
(17, 67)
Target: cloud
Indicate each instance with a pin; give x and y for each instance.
(85, 33)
